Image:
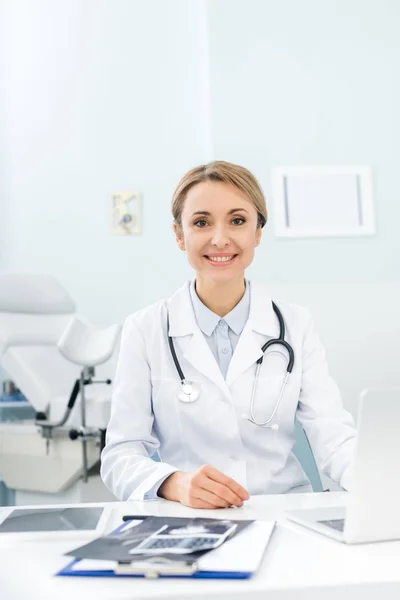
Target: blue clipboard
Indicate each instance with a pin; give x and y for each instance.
(151, 572)
(156, 569)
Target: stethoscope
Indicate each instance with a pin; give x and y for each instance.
(190, 392)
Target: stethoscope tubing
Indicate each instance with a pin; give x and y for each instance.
(280, 341)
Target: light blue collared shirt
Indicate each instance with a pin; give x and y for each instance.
(221, 334)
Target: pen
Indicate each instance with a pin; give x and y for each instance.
(134, 517)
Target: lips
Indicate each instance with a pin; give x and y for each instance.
(219, 260)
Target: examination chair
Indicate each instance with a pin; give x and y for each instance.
(50, 353)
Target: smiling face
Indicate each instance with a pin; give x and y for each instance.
(219, 231)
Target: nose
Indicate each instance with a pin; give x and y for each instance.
(220, 237)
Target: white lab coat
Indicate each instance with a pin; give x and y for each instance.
(147, 417)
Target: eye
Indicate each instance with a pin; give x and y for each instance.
(200, 223)
(238, 221)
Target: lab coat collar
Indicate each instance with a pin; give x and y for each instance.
(262, 320)
(262, 316)
(180, 313)
(208, 320)
(196, 351)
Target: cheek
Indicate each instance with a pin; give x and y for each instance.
(189, 242)
(247, 241)
(193, 244)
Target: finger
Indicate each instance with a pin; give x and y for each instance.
(197, 503)
(222, 491)
(210, 498)
(194, 502)
(233, 485)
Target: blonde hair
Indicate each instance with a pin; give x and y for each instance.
(223, 172)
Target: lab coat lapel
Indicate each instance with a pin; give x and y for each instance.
(247, 352)
(199, 354)
(261, 325)
(189, 338)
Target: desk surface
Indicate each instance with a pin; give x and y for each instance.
(298, 564)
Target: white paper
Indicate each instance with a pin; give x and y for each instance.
(243, 553)
(88, 564)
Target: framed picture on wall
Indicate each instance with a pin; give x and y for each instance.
(322, 201)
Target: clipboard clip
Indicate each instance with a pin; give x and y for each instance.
(153, 567)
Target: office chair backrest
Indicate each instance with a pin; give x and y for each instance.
(303, 453)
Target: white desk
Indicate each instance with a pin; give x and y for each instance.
(298, 564)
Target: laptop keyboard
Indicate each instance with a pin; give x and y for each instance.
(334, 523)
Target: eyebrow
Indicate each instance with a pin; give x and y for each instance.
(205, 212)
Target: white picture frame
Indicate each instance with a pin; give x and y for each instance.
(322, 201)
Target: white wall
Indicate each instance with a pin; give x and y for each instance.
(113, 95)
(309, 82)
(359, 324)
(102, 96)
(106, 95)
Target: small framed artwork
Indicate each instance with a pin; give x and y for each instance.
(319, 201)
(126, 213)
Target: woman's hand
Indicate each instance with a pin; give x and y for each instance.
(205, 488)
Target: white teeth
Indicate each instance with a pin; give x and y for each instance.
(220, 258)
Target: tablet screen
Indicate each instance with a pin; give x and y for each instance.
(52, 519)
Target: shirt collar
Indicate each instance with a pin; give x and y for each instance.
(207, 320)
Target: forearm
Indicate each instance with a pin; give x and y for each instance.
(129, 474)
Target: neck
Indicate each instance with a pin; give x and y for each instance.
(220, 298)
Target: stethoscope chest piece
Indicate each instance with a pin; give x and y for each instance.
(189, 392)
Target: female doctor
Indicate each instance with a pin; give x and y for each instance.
(186, 385)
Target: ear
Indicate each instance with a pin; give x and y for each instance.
(258, 235)
(179, 236)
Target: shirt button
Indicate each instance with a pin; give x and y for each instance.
(220, 322)
(225, 350)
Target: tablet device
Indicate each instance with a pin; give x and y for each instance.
(53, 519)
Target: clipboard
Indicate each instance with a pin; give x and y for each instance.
(238, 558)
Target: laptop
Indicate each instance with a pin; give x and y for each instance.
(372, 511)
